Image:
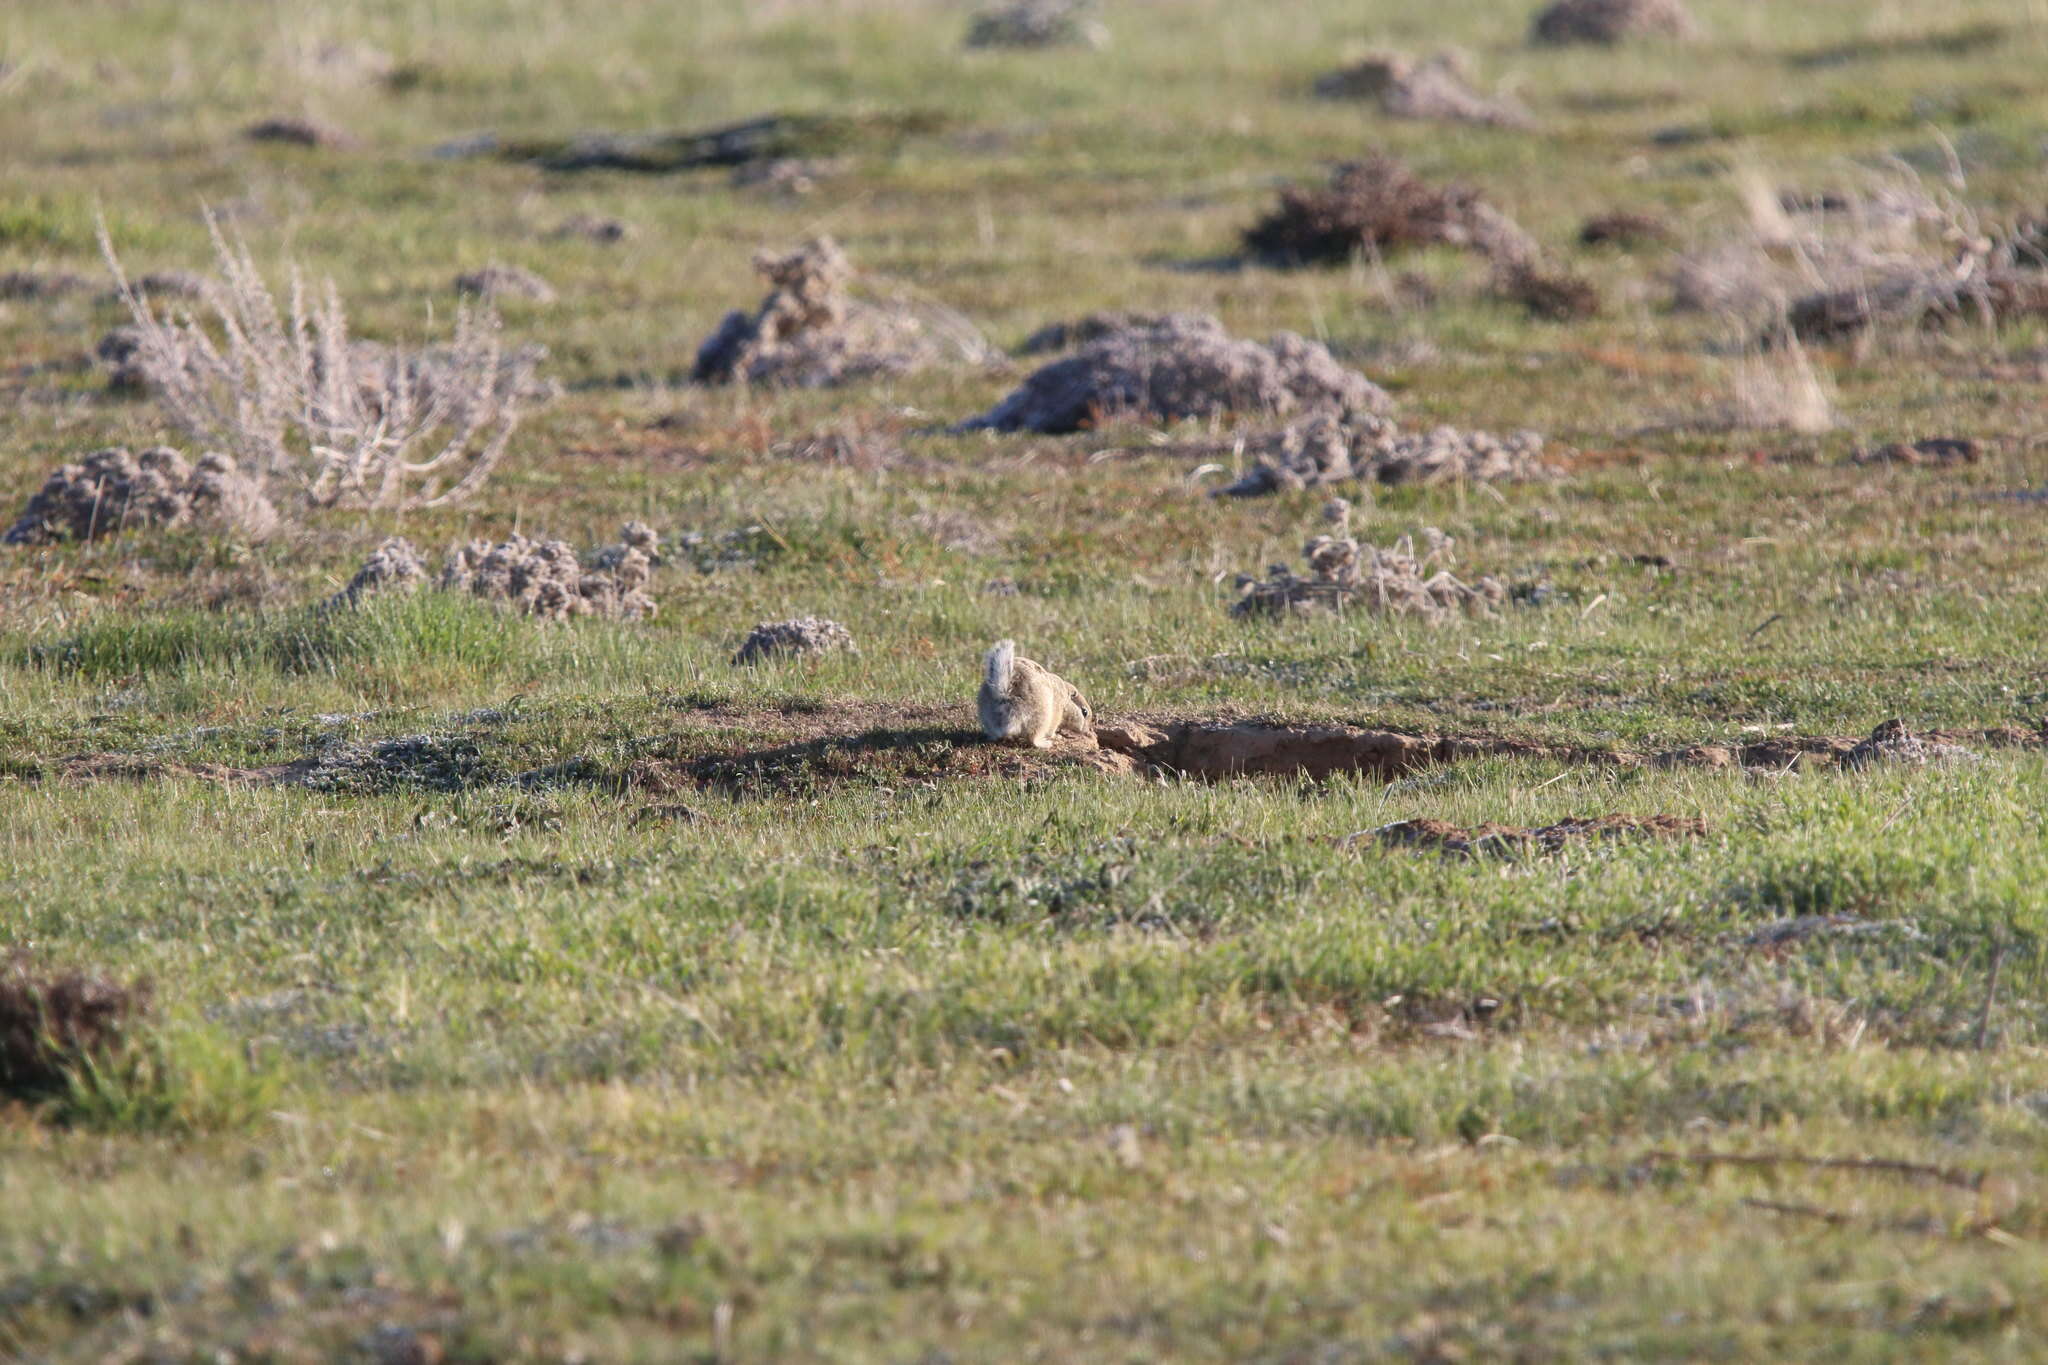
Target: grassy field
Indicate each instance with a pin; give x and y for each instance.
(531, 991)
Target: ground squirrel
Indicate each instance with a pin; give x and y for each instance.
(1022, 702)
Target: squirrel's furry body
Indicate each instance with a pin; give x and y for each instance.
(1022, 702)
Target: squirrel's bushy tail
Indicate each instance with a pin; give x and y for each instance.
(999, 666)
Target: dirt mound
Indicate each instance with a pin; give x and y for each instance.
(1547, 291)
(1345, 576)
(394, 566)
(1893, 743)
(55, 1024)
(495, 282)
(1038, 23)
(544, 578)
(1613, 21)
(119, 352)
(37, 285)
(1065, 336)
(112, 490)
(593, 227)
(1184, 365)
(1438, 88)
(1937, 451)
(300, 132)
(811, 332)
(1926, 297)
(804, 635)
(1378, 206)
(1625, 228)
(1507, 840)
(1327, 449)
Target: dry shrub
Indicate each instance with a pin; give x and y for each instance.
(494, 282)
(1613, 21)
(56, 1027)
(1328, 449)
(1376, 206)
(1038, 23)
(811, 332)
(540, 578)
(1548, 292)
(1345, 576)
(112, 491)
(308, 412)
(804, 635)
(1184, 365)
(1438, 89)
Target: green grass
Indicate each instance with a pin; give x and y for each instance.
(524, 1033)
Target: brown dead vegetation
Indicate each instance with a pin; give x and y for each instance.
(1377, 206)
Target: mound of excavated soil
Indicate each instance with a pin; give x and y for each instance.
(498, 282)
(804, 635)
(1438, 89)
(1345, 576)
(1378, 206)
(1613, 21)
(1038, 24)
(111, 490)
(1326, 449)
(1507, 840)
(811, 332)
(542, 578)
(1183, 365)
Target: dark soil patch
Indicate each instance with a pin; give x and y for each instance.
(1508, 840)
(55, 1024)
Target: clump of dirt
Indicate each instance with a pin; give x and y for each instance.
(1326, 449)
(790, 175)
(811, 332)
(1893, 743)
(1184, 365)
(1936, 451)
(1625, 228)
(1345, 576)
(1507, 840)
(423, 762)
(119, 352)
(803, 635)
(1613, 21)
(1548, 292)
(1377, 206)
(111, 491)
(544, 578)
(39, 285)
(1437, 88)
(55, 1025)
(1037, 24)
(393, 567)
(494, 282)
(300, 132)
(1065, 336)
(593, 227)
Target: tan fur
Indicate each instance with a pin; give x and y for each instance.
(1022, 702)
